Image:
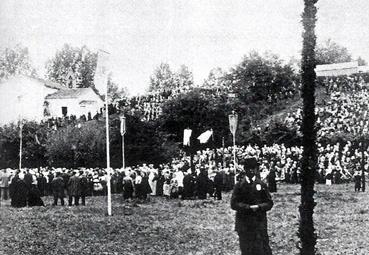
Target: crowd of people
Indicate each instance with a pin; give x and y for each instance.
(346, 110)
(213, 171)
(134, 183)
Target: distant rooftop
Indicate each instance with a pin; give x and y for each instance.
(46, 83)
(338, 66)
(68, 93)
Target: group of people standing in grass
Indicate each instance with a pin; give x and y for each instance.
(25, 189)
(182, 183)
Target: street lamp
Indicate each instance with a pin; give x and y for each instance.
(123, 132)
(233, 121)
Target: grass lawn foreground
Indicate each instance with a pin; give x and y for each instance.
(182, 227)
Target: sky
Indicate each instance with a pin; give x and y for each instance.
(201, 34)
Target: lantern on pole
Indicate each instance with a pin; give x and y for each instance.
(123, 132)
(233, 121)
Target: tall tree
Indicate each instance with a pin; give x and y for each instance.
(259, 77)
(361, 61)
(15, 61)
(115, 92)
(183, 77)
(309, 156)
(164, 79)
(81, 62)
(217, 78)
(331, 52)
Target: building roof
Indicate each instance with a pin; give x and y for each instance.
(85, 102)
(68, 93)
(338, 66)
(49, 84)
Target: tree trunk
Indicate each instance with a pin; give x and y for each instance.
(363, 148)
(309, 160)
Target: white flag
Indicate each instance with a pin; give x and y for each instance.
(101, 72)
(204, 137)
(186, 136)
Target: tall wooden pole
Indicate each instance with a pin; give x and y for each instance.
(363, 148)
(20, 143)
(107, 150)
(20, 132)
(101, 70)
(123, 156)
(123, 132)
(309, 156)
(223, 159)
(234, 150)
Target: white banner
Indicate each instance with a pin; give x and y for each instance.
(122, 125)
(101, 72)
(233, 120)
(204, 137)
(186, 137)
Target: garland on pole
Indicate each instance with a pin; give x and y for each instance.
(306, 230)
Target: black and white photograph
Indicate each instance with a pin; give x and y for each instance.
(184, 127)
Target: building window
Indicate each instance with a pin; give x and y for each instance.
(64, 111)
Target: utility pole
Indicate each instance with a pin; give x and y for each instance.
(123, 132)
(101, 80)
(20, 131)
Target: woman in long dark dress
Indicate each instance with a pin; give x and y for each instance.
(159, 183)
(34, 196)
(146, 189)
(272, 184)
(18, 192)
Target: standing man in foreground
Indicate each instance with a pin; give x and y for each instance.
(251, 200)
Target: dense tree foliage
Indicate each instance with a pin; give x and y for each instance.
(33, 152)
(15, 61)
(85, 144)
(73, 146)
(164, 78)
(81, 62)
(331, 52)
(262, 78)
(197, 112)
(115, 93)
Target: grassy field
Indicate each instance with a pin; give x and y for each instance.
(182, 227)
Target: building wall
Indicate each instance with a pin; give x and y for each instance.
(337, 72)
(30, 105)
(74, 107)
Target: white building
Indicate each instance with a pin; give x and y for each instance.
(23, 97)
(77, 102)
(346, 68)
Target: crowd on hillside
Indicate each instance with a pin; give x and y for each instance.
(342, 113)
(344, 83)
